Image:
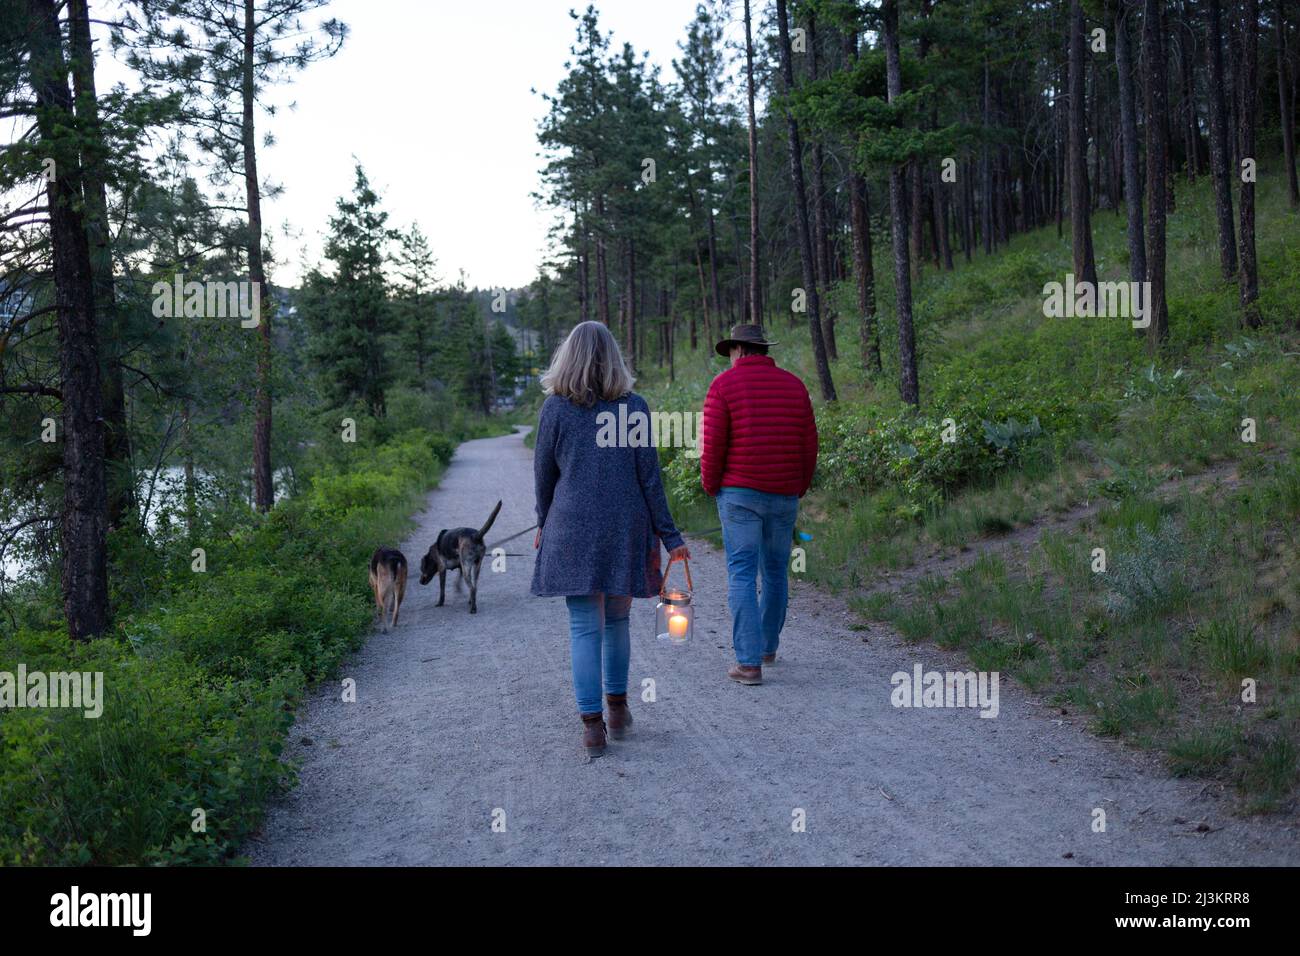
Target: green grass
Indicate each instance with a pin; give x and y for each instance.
(1200, 586)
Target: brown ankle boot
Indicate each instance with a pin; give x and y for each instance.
(620, 718)
(593, 735)
(746, 675)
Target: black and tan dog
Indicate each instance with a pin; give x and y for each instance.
(388, 581)
(457, 549)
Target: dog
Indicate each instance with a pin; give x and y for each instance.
(457, 549)
(388, 581)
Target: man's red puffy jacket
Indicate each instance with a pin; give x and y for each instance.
(759, 431)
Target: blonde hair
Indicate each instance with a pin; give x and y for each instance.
(588, 367)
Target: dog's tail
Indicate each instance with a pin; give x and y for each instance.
(389, 559)
(492, 517)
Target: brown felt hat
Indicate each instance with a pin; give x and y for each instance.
(745, 334)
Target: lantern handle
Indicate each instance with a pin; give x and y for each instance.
(686, 565)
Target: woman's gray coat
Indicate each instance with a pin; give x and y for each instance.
(602, 510)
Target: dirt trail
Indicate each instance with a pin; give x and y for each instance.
(464, 719)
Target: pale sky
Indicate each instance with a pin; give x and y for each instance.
(433, 97)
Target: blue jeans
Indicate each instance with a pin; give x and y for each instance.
(757, 534)
(600, 646)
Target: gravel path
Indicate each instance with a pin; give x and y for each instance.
(465, 721)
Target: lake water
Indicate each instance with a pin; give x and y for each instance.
(168, 493)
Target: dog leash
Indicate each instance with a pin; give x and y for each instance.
(511, 538)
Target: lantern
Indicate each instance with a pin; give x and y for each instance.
(674, 616)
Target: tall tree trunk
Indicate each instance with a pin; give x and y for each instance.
(713, 261)
(583, 264)
(1155, 97)
(968, 215)
(801, 212)
(1287, 111)
(602, 266)
(699, 263)
(1132, 150)
(1190, 136)
(1085, 265)
(986, 166)
(915, 207)
(632, 353)
(1248, 81)
(864, 270)
(908, 385)
(863, 267)
(1234, 70)
(941, 217)
(263, 486)
(84, 519)
(755, 286)
(1058, 184)
(1220, 152)
(704, 299)
(821, 217)
(117, 439)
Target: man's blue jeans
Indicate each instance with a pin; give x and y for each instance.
(757, 533)
(600, 645)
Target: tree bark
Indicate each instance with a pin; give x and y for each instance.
(821, 217)
(986, 167)
(263, 486)
(915, 206)
(1191, 139)
(1248, 81)
(1085, 265)
(863, 267)
(632, 354)
(713, 262)
(1131, 149)
(755, 286)
(801, 213)
(602, 267)
(908, 386)
(1155, 96)
(1220, 152)
(1058, 186)
(1285, 107)
(84, 519)
(117, 440)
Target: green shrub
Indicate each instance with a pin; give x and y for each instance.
(1150, 574)
(201, 679)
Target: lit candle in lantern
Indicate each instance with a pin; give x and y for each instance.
(677, 627)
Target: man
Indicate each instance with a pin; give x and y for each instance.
(759, 449)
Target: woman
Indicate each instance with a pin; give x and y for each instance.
(601, 513)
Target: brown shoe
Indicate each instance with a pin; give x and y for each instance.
(752, 676)
(620, 718)
(769, 660)
(593, 735)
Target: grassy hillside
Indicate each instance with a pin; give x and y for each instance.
(1069, 438)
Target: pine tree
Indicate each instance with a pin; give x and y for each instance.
(802, 224)
(347, 309)
(224, 55)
